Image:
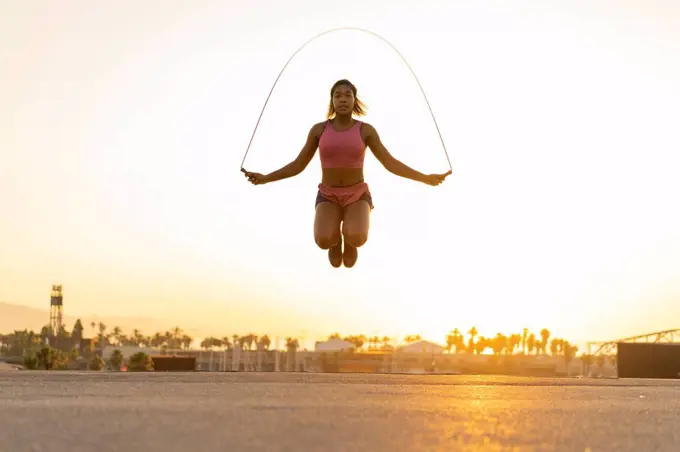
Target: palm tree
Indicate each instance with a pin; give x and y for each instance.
(78, 331)
(20, 343)
(206, 343)
(412, 338)
(471, 341)
(292, 345)
(473, 334)
(46, 334)
(451, 339)
(481, 345)
(569, 353)
(525, 336)
(175, 337)
(251, 340)
(555, 346)
(103, 336)
(265, 342)
(460, 341)
(226, 343)
(157, 340)
(513, 342)
(138, 338)
(531, 343)
(118, 335)
(545, 335)
(498, 344)
(262, 346)
(358, 340)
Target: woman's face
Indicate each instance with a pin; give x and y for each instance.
(343, 100)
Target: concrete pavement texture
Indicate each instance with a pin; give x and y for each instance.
(106, 411)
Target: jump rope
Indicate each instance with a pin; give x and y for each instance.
(347, 29)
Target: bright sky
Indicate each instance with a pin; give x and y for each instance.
(122, 129)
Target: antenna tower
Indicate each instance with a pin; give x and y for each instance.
(56, 308)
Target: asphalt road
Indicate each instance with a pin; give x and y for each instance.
(101, 412)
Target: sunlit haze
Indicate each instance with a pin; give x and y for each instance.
(123, 126)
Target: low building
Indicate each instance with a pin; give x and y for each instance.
(334, 345)
(127, 351)
(422, 347)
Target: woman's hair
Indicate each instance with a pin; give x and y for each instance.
(359, 107)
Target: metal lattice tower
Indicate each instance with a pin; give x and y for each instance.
(610, 347)
(56, 309)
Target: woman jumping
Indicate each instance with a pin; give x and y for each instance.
(343, 202)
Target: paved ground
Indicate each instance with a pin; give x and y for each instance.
(68, 411)
(5, 366)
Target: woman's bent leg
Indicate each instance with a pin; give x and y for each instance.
(327, 230)
(357, 220)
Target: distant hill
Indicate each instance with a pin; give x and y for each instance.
(19, 317)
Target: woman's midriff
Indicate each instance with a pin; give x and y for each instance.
(342, 177)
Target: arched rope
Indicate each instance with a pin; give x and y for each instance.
(341, 29)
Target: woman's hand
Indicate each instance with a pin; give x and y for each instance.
(435, 179)
(255, 178)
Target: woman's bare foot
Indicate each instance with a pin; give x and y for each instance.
(350, 255)
(335, 254)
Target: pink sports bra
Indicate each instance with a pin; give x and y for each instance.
(342, 149)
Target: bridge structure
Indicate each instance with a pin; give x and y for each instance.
(609, 348)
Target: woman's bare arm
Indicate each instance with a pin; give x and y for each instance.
(390, 163)
(393, 165)
(302, 160)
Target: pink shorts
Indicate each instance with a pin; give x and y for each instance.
(344, 196)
